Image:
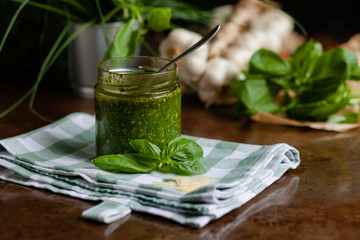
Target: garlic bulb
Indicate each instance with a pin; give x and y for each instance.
(179, 40)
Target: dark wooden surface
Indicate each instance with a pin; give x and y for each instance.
(318, 200)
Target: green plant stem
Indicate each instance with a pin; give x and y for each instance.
(68, 41)
(21, 100)
(13, 19)
(42, 117)
(112, 13)
(149, 48)
(297, 23)
(103, 23)
(17, 103)
(136, 14)
(45, 66)
(77, 5)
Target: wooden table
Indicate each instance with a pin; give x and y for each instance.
(318, 200)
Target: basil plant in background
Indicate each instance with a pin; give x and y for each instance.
(310, 85)
(139, 17)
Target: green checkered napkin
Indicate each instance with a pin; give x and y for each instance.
(57, 157)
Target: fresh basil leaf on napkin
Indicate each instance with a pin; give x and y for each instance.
(187, 168)
(146, 148)
(129, 163)
(180, 156)
(184, 149)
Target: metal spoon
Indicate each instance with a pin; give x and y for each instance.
(198, 44)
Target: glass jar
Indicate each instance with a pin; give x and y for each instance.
(133, 101)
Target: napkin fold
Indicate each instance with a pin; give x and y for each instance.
(57, 158)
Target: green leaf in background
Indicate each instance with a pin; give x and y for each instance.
(124, 38)
(355, 74)
(351, 60)
(183, 149)
(317, 111)
(337, 62)
(331, 71)
(322, 109)
(127, 163)
(304, 59)
(267, 62)
(256, 95)
(159, 19)
(283, 81)
(187, 168)
(146, 148)
(348, 117)
(136, 36)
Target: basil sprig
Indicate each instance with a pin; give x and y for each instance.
(310, 85)
(180, 156)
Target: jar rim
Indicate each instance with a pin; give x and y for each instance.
(136, 72)
(103, 66)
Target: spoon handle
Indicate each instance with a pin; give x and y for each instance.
(201, 42)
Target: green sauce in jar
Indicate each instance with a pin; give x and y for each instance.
(133, 102)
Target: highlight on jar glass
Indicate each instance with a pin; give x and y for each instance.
(134, 101)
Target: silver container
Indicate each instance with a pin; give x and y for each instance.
(88, 50)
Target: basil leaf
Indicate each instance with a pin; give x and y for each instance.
(355, 74)
(164, 155)
(267, 62)
(120, 47)
(283, 81)
(256, 95)
(304, 59)
(159, 19)
(351, 60)
(187, 168)
(348, 117)
(146, 148)
(330, 71)
(317, 111)
(183, 149)
(127, 163)
(321, 110)
(149, 158)
(334, 63)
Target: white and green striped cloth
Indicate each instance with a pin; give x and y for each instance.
(57, 158)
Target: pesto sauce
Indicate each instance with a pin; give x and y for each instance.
(120, 119)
